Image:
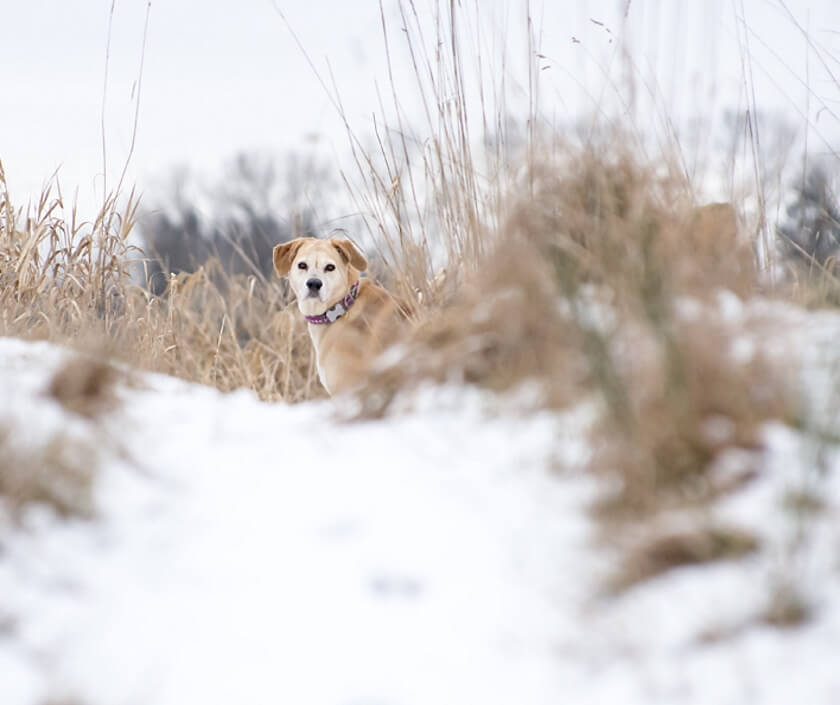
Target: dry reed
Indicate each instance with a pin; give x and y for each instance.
(77, 283)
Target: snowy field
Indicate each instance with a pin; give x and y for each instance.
(244, 552)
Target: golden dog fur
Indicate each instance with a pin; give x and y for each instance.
(345, 348)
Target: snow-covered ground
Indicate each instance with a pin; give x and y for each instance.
(245, 552)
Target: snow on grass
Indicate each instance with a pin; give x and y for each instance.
(265, 553)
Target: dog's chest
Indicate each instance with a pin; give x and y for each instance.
(322, 375)
(315, 337)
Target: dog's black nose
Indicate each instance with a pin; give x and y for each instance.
(314, 284)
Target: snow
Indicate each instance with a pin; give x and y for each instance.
(265, 553)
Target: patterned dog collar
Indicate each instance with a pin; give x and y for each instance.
(331, 315)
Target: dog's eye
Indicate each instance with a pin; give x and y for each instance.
(301, 265)
(329, 268)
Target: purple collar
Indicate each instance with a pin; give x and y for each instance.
(331, 315)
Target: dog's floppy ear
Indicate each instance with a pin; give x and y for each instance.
(284, 255)
(349, 253)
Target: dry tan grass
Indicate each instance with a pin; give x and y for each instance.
(665, 552)
(686, 399)
(72, 282)
(58, 273)
(573, 284)
(577, 292)
(58, 474)
(60, 471)
(501, 327)
(225, 331)
(613, 217)
(812, 287)
(589, 229)
(85, 386)
(787, 608)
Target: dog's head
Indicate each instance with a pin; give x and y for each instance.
(321, 272)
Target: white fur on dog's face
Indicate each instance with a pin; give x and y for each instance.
(318, 260)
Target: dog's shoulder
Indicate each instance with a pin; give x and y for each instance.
(386, 301)
(375, 299)
(376, 312)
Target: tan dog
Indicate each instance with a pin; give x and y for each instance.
(350, 319)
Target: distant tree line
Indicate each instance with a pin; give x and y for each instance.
(810, 233)
(260, 202)
(257, 204)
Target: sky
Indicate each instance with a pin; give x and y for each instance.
(193, 82)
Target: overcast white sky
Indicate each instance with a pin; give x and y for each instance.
(220, 77)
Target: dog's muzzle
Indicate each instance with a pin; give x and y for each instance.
(331, 315)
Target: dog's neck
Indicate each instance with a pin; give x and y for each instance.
(332, 314)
